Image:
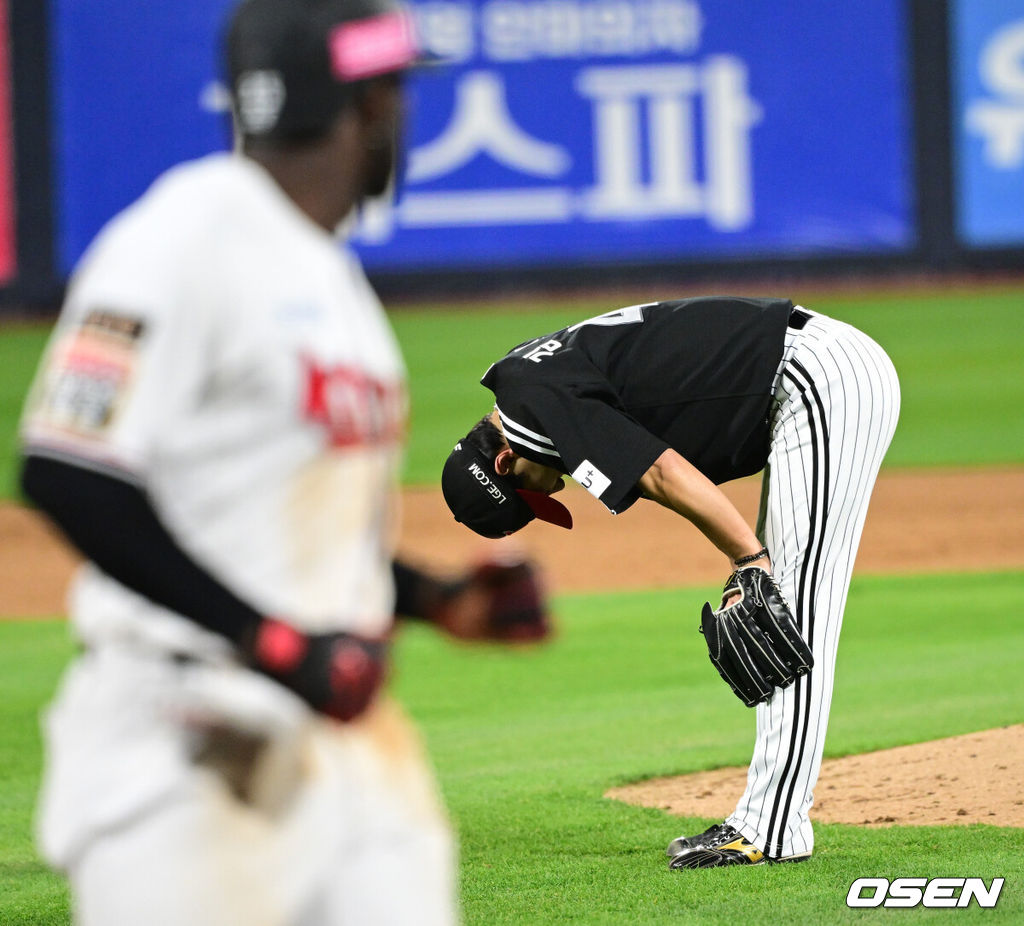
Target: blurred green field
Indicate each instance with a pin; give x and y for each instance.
(527, 742)
(958, 352)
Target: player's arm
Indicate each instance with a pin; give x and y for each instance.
(676, 483)
(113, 523)
(495, 600)
(752, 638)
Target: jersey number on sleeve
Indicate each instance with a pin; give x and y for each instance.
(538, 353)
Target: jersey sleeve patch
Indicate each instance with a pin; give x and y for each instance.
(591, 478)
(580, 430)
(90, 374)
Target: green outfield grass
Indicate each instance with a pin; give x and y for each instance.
(20, 348)
(958, 354)
(526, 743)
(31, 656)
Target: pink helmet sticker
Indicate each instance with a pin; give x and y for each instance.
(368, 47)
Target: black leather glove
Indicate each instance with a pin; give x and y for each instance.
(754, 643)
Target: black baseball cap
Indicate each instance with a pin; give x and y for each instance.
(489, 503)
(292, 63)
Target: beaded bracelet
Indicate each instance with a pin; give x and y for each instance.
(747, 560)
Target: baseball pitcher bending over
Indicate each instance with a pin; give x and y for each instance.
(666, 401)
(217, 426)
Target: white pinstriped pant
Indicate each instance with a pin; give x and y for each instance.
(837, 399)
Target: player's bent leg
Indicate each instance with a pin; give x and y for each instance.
(839, 401)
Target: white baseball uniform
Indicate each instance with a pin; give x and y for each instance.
(221, 350)
(836, 403)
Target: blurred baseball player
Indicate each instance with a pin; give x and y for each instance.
(216, 425)
(666, 401)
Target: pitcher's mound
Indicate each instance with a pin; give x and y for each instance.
(963, 779)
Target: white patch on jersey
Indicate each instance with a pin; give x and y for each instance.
(90, 375)
(591, 478)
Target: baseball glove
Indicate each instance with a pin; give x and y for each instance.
(496, 600)
(754, 643)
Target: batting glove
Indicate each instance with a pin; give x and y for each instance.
(337, 674)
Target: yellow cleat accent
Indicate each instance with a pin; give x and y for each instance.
(741, 845)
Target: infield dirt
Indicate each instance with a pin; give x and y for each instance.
(920, 521)
(973, 778)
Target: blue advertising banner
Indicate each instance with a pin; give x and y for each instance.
(560, 131)
(134, 92)
(988, 121)
(575, 130)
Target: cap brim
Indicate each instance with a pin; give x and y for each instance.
(546, 508)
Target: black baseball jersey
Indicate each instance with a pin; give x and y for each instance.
(603, 399)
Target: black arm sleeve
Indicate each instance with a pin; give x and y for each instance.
(418, 595)
(113, 523)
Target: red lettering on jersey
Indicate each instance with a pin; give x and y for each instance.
(355, 409)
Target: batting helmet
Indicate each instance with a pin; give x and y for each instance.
(292, 63)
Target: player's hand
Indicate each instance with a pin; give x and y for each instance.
(337, 674)
(732, 594)
(754, 642)
(495, 601)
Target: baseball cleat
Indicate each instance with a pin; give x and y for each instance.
(719, 846)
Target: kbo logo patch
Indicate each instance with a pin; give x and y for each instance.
(923, 892)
